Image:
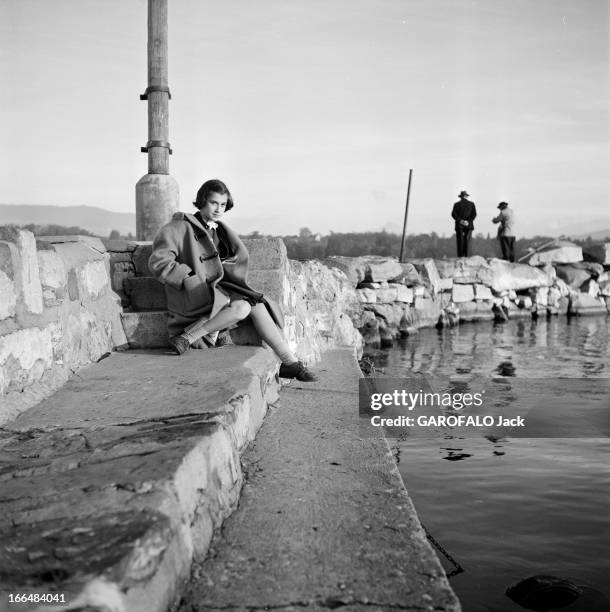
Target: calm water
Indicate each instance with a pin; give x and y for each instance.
(512, 508)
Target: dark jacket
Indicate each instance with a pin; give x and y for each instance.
(186, 261)
(464, 210)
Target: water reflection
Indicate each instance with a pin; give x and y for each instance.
(510, 508)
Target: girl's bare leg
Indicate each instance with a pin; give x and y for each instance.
(270, 333)
(228, 316)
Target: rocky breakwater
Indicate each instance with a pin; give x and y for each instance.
(399, 298)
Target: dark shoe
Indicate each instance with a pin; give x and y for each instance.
(297, 370)
(180, 344)
(224, 339)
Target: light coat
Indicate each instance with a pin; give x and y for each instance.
(186, 261)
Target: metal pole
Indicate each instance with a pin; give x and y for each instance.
(404, 225)
(157, 192)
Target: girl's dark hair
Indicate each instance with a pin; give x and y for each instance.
(212, 186)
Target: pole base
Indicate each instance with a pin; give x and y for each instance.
(157, 199)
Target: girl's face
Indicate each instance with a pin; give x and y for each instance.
(214, 206)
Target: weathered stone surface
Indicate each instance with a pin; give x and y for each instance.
(390, 313)
(120, 257)
(353, 267)
(51, 269)
(272, 283)
(8, 297)
(595, 269)
(121, 271)
(367, 296)
(419, 291)
(506, 276)
(563, 252)
(123, 537)
(20, 263)
(145, 293)
(465, 270)
(482, 292)
(145, 329)
(404, 294)
(584, 304)
(409, 275)
(591, 287)
(386, 296)
(428, 273)
(426, 312)
(370, 328)
(122, 246)
(24, 357)
(462, 293)
(573, 276)
(381, 268)
(445, 284)
(93, 242)
(604, 288)
(140, 257)
(540, 296)
(266, 253)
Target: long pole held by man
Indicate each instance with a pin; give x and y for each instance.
(157, 195)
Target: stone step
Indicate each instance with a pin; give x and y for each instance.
(114, 484)
(149, 330)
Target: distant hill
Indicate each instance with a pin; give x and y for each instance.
(596, 235)
(96, 220)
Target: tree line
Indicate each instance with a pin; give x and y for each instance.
(307, 245)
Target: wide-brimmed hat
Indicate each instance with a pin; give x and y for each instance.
(502, 204)
(464, 193)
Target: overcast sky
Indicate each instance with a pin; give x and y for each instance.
(313, 111)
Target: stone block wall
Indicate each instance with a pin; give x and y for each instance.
(318, 303)
(57, 313)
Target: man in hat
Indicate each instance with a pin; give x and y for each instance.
(464, 212)
(506, 231)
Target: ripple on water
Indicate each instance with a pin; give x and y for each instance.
(505, 508)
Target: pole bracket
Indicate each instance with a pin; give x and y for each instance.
(153, 88)
(156, 143)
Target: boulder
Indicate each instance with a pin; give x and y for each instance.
(426, 312)
(604, 288)
(445, 284)
(482, 292)
(462, 293)
(353, 267)
(561, 252)
(428, 272)
(408, 275)
(507, 276)
(386, 296)
(367, 296)
(404, 294)
(465, 270)
(584, 304)
(381, 268)
(370, 329)
(573, 276)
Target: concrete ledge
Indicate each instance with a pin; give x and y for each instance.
(324, 519)
(109, 488)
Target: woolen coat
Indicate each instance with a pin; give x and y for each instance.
(186, 261)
